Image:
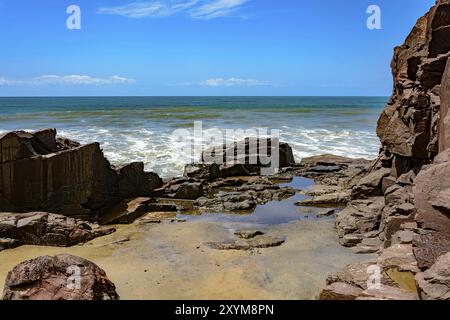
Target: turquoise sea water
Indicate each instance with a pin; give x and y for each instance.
(141, 128)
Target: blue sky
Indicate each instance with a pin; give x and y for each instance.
(201, 47)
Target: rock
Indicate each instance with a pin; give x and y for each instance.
(55, 278)
(356, 275)
(239, 206)
(389, 293)
(158, 217)
(47, 229)
(189, 191)
(442, 201)
(351, 240)
(249, 155)
(434, 283)
(359, 217)
(319, 190)
(331, 160)
(403, 237)
(412, 168)
(202, 171)
(368, 245)
(326, 169)
(248, 234)
(387, 183)
(406, 126)
(127, 211)
(371, 185)
(431, 185)
(406, 179)
(340, 291)
(444, 123)
(256, 242)
(39, 172)
(396, 267)
(135, 182)
(330, 199)
(326, 213)
(8, 243)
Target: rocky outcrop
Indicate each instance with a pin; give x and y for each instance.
(46, 229)
(434, 284)
(62, 277)
(358, 219)
(390, 276)
(250, 152)
(409, 129)
(411, 178)
(241, 158)
(40, 172)
(444, 122)
(408, 126)
(433, 203)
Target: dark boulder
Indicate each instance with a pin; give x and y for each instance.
(39, 172)
(46, 229)
(62, 277)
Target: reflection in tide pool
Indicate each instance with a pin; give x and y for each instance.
(272, 213)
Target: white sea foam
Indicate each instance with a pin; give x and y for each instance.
(161, 153)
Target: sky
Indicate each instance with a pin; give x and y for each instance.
(201, 47)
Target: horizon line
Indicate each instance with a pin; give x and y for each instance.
(203, 96)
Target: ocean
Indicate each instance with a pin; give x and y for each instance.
(141, 128)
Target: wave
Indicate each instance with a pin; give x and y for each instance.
(161, 152)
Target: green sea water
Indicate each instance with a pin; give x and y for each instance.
(141, 128)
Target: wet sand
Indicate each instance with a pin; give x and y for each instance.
(173, 261)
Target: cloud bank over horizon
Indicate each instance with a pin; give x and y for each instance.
(68, 80)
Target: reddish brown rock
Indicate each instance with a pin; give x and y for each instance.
(444, 124)
(434, 284)
(434, 241)
(63, 277)
(407, 127)
(340, 291)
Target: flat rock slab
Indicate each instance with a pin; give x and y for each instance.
(326, 169)
(248, 234)
(249, 244)
(340, 291)
(330, 199)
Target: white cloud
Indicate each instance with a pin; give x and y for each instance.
(198, 9)
(6, 82)
(68, 80)
(216, 9)
(234, 82)
(138, 10)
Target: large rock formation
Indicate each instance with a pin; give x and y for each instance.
(412, 173)
(63, 277)
(40, 172)
(408, 126)
(432, 199)
(444, 124)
